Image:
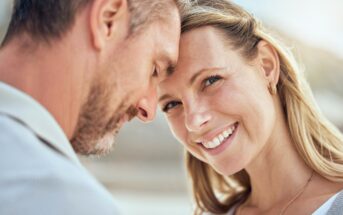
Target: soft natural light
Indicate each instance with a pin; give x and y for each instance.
(315, 22)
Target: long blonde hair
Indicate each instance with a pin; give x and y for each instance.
(319, 143)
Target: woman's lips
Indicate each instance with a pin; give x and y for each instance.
(220, 142)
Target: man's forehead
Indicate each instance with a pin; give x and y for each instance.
(170, 85)
(168, 51)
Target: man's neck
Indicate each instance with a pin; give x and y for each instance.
(45, 74)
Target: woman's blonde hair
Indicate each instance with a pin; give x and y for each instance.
(318, 142)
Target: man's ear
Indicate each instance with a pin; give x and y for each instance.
(109, 20)
(268, 60)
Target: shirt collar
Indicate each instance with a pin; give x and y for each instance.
(24, 108)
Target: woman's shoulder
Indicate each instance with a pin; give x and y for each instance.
(230, 212)
(336, 207)
(333, 206)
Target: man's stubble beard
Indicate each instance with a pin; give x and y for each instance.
(98, 124)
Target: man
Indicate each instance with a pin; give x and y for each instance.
(75, 70)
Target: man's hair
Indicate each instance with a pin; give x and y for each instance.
(143, 12)
(46, 20)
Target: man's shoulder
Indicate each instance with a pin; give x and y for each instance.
(20, 147)
(35, 179)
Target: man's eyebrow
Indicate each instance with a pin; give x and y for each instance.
(170, 67)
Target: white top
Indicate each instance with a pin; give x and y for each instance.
(322, 210)
(39, 171)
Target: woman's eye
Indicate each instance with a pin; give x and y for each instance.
(211, 80)
(170, 105)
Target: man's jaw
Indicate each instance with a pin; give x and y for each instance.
(106, 142)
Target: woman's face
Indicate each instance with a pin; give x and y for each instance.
(217, 103)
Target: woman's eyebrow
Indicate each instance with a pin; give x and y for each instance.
(197, 74)
(193, 79)
(165, 96)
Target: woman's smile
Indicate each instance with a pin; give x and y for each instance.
(215, 144)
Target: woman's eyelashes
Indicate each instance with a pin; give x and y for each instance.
(170, 105)
(207, 82)
(210, 81)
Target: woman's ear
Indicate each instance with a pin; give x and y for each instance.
(109, 21)
(268, 60)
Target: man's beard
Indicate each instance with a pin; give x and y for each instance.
(98, 124)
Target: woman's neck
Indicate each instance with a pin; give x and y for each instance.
(279, 172)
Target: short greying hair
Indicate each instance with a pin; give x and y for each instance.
(46, 20)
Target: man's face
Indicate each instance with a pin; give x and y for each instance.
(126, 85)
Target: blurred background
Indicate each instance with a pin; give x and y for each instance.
(145, 172)
(5, 15)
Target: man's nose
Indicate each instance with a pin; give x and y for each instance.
(147, 106)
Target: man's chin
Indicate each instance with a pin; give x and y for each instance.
(94, 136)
(98, 146)
(105, 144)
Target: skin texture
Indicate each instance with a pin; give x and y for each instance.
(97, 77)
(230, 89)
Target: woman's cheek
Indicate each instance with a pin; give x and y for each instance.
(224, 96)
(178, 128)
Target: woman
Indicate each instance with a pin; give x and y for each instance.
(256, 142)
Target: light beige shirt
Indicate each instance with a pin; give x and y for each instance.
(40, 173)
(24, 108)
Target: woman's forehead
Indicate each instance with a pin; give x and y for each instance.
(201, 38)
(200, 49)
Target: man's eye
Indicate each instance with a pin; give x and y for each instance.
(167, 107)
(155, 72)
(211, 80)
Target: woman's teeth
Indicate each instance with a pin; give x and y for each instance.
(215, 142)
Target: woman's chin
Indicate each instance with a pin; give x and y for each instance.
(226, 170)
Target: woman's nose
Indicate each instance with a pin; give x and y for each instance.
(196, 117)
